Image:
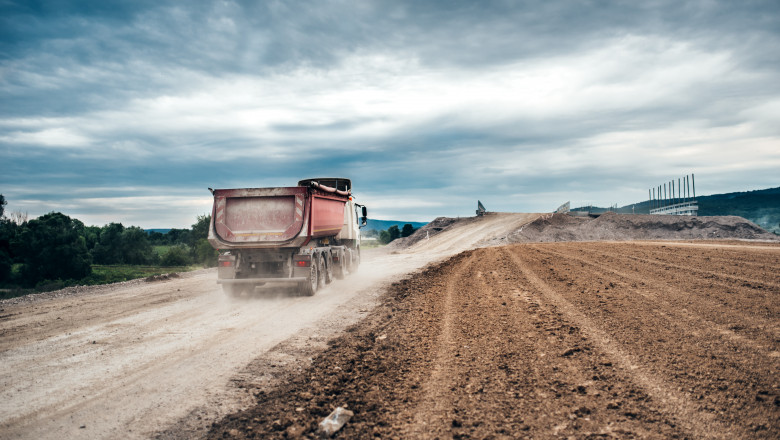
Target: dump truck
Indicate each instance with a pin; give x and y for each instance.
(302, 236)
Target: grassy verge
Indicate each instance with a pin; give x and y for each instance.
(117, 273)
(100, 275)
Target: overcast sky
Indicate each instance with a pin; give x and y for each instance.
(129, 111)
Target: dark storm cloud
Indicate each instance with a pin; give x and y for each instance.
(267, 35)
(409, 98)
(74, 56)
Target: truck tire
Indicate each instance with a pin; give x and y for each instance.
(348, 261)
(354, 260)
(312, 283)
(322, 270)
(339, 270)
(328, 261)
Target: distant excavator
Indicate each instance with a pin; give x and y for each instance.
(480, 209)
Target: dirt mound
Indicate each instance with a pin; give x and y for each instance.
(447, 236)
(610, 226)
(432, 229)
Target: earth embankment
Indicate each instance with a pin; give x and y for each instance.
(606, 227)
(612, 227)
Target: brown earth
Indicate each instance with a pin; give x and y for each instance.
(611, 226)
(606, 227)
(553, 340)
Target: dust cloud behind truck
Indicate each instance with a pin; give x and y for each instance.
(304, 236)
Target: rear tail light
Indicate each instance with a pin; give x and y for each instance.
(226, 263)
(302, 260)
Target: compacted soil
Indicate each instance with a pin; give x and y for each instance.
(552, 340)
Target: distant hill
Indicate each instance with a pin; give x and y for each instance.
(381, 225)
(761, 207)
(161, 231)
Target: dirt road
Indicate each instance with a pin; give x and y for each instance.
(167, 358)
(554, 340)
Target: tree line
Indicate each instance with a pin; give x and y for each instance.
(391, 233)
(57, 247)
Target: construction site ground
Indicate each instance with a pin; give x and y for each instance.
(438, 337)
(559, 340)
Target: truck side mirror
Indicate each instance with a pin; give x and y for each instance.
(365, 212)
(364, 220)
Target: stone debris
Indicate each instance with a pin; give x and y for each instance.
(335, 421)
(162, 277)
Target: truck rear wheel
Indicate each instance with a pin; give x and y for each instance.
(322, 275)
(354, 261)
(312, 283)
(328, 262)
(340, 271)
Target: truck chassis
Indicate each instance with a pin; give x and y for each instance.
(309, 269)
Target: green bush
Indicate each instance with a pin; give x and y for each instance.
(49, 285)
(176, 256)
(56, 251)
(205, 254)
(5, 266)
(390, 234)
(52, 247)
(120, 245)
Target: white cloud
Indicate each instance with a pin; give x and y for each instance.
(380, 97)
(49, 137)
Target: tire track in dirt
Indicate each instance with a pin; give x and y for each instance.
(144, 364)
(675, 308)
(436, 404)
(727, 263)
(51, 318)
(133, 336)
(716, 367)
(737, 382)
(756, 316)
(674, 404)
(710, 274)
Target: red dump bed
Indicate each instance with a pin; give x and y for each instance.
(269, 217)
